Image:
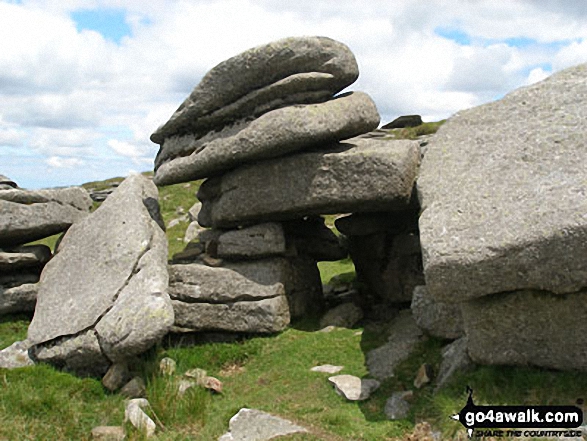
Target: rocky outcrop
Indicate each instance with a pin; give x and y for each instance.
(27, 215)
(103, 297)
(504, 230)
(357, 175)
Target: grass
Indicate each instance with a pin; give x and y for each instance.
(267, 373)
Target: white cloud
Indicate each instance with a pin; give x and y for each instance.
(68, 95)
(63, 162)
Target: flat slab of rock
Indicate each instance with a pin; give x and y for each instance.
(26, 216)
(24, 257)
(354, 388)
(360, 174)
(503, 189)
(108, 281)
(287, 71)
(327, 369)
(404, 334)
(262, 240)
(255, 425)
(528, 328)
(276, 133)
(242, 297)
(16, 356)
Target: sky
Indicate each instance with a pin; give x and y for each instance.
(83, 83)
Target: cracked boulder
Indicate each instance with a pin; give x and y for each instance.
(26, 215)
(360, 174)
(103, 297)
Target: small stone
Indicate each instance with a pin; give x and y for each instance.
(138, 418)
(184, 385)
(117, 376)
(135, 388)
(398, 406)
(213, 384)
(16, 356)
(353, 388)
(455, 358)
(108, 433)
(254, 425)
(167, 366)
(194, 211)
(196, 374)
(190, 254)
(327, 369)
(328, 329)
(423, 376)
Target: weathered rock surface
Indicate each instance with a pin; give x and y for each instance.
(134, 413)
(107, 286)
(354, 388)
(20, 298)
(274, 134)
(26, 216)
(16, 356)
(261, 240)
(503, 191)
(440, 319)
(455, 359)
(255, 425)
(287, 71)
(327, 369)
(24, 257)
(404, 334)
(242, 297)
(359, 174)
(528, 328)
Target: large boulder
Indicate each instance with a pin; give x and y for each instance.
(288, 71)
(503, 190)
(276, 133)
(528, 328)
(360, 174)
(103, 297)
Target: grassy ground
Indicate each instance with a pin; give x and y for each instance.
(267, 373)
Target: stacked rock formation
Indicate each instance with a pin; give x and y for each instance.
(278, 148)
(103, 297)
(26, 216)
(504, 229)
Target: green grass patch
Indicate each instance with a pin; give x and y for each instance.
(427, 128)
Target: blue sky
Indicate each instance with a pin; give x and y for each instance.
(83, 83)
(110, 23)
